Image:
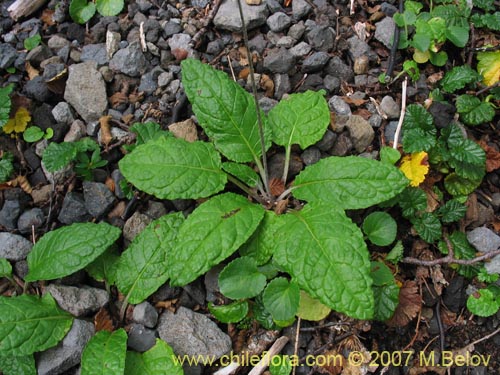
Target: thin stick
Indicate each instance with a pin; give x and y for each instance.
(195, 41)
(486, 337)
(231, 67)
(278, 345)
(402, 115)
(296, 344)
(395, 43)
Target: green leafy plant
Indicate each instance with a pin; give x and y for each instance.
(32, 42)
(6, 167)
(485, 302)
(34, 134)
(81, 11)
(5, 104)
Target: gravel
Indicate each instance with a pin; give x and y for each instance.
(13, 246)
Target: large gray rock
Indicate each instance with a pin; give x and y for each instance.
(485, 240)
(321, 38)
(300, 8)
(78, 301)
(95, 52)
(191, 333)
(73, 209)
(9, 214)
(361, 132)
(279, 60)
(30, 220)
(228, 16)
(390, 107)
(278, 22)
(98, 198)
(145, 314)
(86, 91)
(130, 61)
(13, 246)
(8, 55)
(68, 353)
(385, 31)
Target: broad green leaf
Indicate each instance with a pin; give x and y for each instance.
(456, 185)
(147, 131)
(214, 231)
(105, 266)
(459, 77)
(33, 134)
(458, 35)
(226, 112)
(58, 155)
(31, 324)
(326, 255)
(81, 11)
(280, 365)
(483, 303)
(489, 65)
(6, 169)
(421, 42)
(172, 168)
(473, 111)
(232, 313)
(144, 266)
(386, 300)
(451, 211)
(299, 119)
(438, 58)
(5, 104)
(261, 244)
(414, 6)
(462, 249)
(241, 279)
(419, 131)
(159, 360)
(411, 201)
(66, 250)
(109, 7)
(380, 228)
(427, 226)
(489, 20)
(32, 42)
(485, 5)
(381, 274)
(389, 155)
(105, 353)
(396, 254)
(311, 308)
(411, 68)
(281, 299)
(465, 156)
(5, 268)
(349, 182)
(242, 172)
(10, 365)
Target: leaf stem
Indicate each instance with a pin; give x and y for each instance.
(402, 114)
(284, 194)
(287, 163)
(245, 188)
(262, 166)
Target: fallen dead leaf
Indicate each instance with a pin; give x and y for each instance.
(355, 101)
(185, 130)
(409, 305)
(118, 98)
(492, 157)
(267, 84)
(333, 363)
(276, 186)
(46, 17)
(103, 321)
(118, 210)
(438, 279)
(32, 72)
(106, 136)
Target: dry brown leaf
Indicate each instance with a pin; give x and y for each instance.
(333, 363)
(432, 198)
(103, 321)
(496, 225)
(46, 17)
(185, 130)
(127, 119)
(267, 84)
(363, 112)
(32, 72)
(355, 101)
(409, 305)
(106, 136)
(438, 279)
(118, 98)
(57, 84)
(492, 157)
(244, 73)
(276, 186)
(20, 181)
(435, 78)
(168, 305)
(135, 97)
(118, 210)
(281, 206)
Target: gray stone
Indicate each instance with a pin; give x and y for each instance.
(342, 146)
(130, 61)
(281, 85)
(339, 106)
(95, 52)
(390, 131)
(388, 9)
(67, 354)
(454, 295)
(117, 177)
(98, 198)
(57, 177)
(327, 142)
(321, 38)
(384, 32)
(331, 83)
(375, 120)
(228, 16)
(215, 47)
(484, 239)
(191, 333)
(78, 301)
(113, 40)
(211, 282)
(337, 68)
(38, 54)
(13, 246)
(165, 78)
(8, 55)
(276, 166)
(286, 41)
(135, 225)
(73, 209)
(62, 113)
(76, 131)
(172, 27)
(37, 89)
(279, 60)
(117, 134)
(149, 81)
(145, 314)
(315, 62)
(181, 42)
(300, 9)
(141, 338)
(56, 42)
(266, 104)
(274, 6)
(311, 155)
(390, 107)
(278, 21)
(495, 200)
(86, 91)
(361, 132)
(297, 30)
(301, 49)
(358, 48)
(9, 214)
(29, 219)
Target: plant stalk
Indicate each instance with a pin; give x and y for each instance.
(262, 166)
(245, 188)
(287, 163)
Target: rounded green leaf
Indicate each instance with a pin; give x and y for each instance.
(105, 353)
(483, 303)
(144, 266)
(458, 35)
(380, 228)
(241, 279)
(381, 274)
(33, 134)
(281, 299)
(456, 185)
(299, 119)
(232, 313)
(5, 268)
(58, 155)
(349, 182)
(159, 360)
(389, 155)
(24, 365)
(81, 11)
(109, 7)
(214, 231)
(311, 308)
(66, 250)
(32, 42)
(386, 300)
(172, 168)
(439, 59)
(326, 255)
(31, 324)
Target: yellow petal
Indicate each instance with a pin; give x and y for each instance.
(22, 118)
(9, 126)
(415, 167)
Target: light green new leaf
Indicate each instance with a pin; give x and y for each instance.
(232, 313)
(300, 119)
(242, 172)
(241, 279)
(483, 303)
(226, 112)
(24, 365)
(81, 11)
(109, 7)
(32, 42)
(5, 268)
(281, 298)
(66, 250)
(105, 353)
(349, 182)
(389, 155)
(327, 256)
(31, 324)
(58, 155)
(159, 360)
(311, 309)
(458, 77)
(214, 231)
(172, 168)
(261, 244)
(33, 134)
(144, 266)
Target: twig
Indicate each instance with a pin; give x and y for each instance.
(327, 325)
(440, 326)
(394, 47)
(402, 115)
(231, 67)
(195, 41)
(142, 37)
(351, 8)
(488, 88)
(472, 42)
(485, 337)
(278, 345)
(296, 344)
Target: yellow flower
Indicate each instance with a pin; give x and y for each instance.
(415, 167)
(19, 122)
